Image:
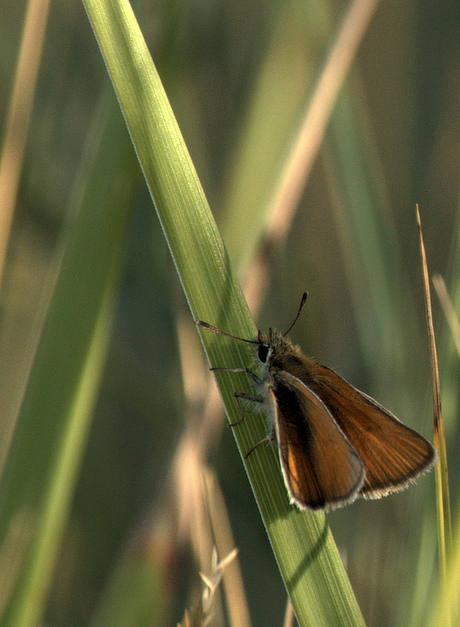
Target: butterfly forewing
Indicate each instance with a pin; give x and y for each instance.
(393, 454)
(320, 466)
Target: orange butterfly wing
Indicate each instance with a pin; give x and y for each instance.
(393, 454)
(307, 435)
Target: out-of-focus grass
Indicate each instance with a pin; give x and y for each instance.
(353, 245)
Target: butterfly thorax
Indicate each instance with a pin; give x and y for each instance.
(276, 353)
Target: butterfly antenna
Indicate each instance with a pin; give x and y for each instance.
(303, 300)
(206, 325)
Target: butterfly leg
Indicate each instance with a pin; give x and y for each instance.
(249, 397)
(268, 438)
(248, 371)
(252, 398)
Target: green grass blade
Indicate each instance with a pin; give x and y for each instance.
(41, 466)
(308, 559)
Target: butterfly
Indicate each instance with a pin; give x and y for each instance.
(335, 443)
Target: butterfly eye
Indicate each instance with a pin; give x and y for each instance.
(262, 353)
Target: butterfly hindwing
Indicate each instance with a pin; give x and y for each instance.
(393, 454)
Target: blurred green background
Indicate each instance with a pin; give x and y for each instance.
(237, 75)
